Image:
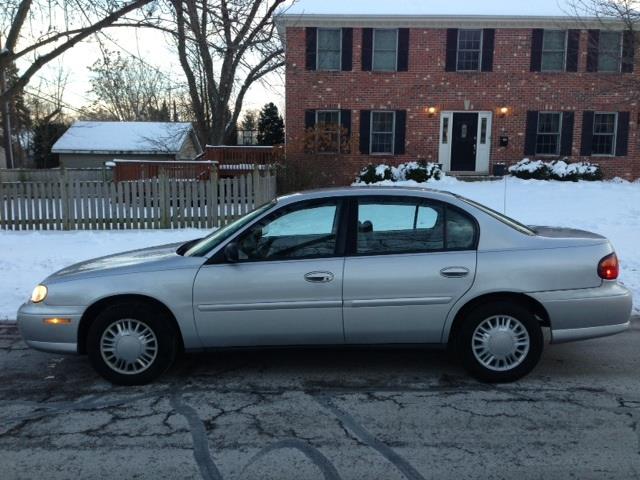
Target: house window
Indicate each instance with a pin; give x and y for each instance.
(328, 131)
(554, 47)
(329, 48)
(469, 48)
(445, 130)
(548, 135)
(382, 132)
(604, 133)
(385, 50)
(483, 130)
(609, 52)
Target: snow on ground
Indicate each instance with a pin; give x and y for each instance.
(609, 208)
(28, 257)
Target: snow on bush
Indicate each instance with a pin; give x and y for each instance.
(415, 171)
(556, 170)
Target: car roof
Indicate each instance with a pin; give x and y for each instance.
(367, 191)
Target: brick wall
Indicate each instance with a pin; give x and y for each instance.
(426, 84)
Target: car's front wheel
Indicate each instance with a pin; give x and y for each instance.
(500, 342)
(131, 344)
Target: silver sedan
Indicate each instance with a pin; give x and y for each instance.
(346, 267)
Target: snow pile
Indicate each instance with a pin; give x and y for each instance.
(556, 170)
(410, 171)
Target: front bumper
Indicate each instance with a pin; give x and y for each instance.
(587, 313)
(49, 338)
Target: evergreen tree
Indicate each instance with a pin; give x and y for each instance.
(270, 126)
(45, 134)
(20, 119)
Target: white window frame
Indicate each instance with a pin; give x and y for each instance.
(373, 50)
(564, 59)
(329, 110)
(615, 134)
(393, 133)
(479, 69)
(546, 133)
(318, 51)
(620, 53)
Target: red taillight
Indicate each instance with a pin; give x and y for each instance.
(609, 268)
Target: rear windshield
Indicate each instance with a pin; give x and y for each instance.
(500, 217)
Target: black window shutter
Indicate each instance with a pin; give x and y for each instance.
(622, 138)
(537, 37)
(403, 50)
(309, 119)
(586, 144)
(367, 49)
(573, 50)
(400, 134)
(312, 44)
(365, 131)
(628, 51)
(345, 122)
(592, 50)
(347, 49)
(566, 137)
(531, 131)
(452, 50)
(488, 43)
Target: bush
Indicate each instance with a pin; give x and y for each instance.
(556, 170)
(416, 171)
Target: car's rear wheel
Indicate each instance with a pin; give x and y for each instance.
(499, 342)
(131, 344)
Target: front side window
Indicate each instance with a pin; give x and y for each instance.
(382, 128)
(548, 135)
(609, 52)
(604, 134)
(329, 48)
(328, 131)
(385, 50)
(469, 48)
(398, 226)
(297, 232)
(554, 47)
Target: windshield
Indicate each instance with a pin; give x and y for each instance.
(500, 217)
(210, 242)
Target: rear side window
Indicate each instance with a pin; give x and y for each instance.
(396, 226)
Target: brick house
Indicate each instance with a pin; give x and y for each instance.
(464, 91)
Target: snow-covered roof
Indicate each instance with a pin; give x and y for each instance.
(554, 8)
(123, 137)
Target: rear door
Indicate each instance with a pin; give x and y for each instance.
(411, 259)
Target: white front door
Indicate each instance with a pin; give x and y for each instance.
(457, 129)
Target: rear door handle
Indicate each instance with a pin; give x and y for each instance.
(319, 277)
(454, 272)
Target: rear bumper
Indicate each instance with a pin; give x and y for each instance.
(49, 338)
(587, 313)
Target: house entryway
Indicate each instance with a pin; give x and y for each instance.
(465, 141)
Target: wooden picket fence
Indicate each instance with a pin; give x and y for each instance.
(69, 204)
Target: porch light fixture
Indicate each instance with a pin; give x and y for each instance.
(431, 111)
(503, 111)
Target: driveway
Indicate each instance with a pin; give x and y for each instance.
(314, 414)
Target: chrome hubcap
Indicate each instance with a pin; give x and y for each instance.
(500, 343)
(129, 346)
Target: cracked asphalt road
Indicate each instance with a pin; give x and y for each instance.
(323, 414)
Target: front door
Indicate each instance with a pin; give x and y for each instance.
(408, 270)
(285, 288)
(464, 142)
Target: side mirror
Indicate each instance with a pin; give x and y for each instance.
(231, 253)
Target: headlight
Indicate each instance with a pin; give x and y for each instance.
(39, 294)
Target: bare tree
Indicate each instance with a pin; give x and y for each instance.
(224, 47)
(127, 89)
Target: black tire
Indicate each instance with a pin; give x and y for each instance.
(167, 344)
(464, 338)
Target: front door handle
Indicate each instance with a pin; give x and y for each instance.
(454, 272)
(319, 277)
